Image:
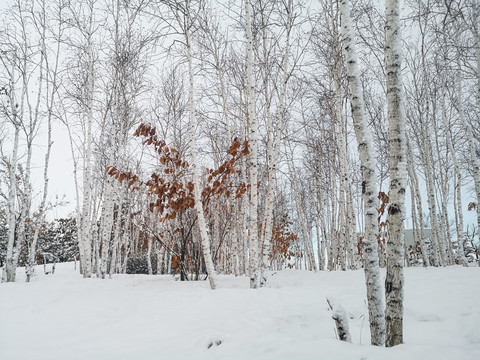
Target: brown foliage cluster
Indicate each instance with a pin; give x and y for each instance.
(282, 240)
(218, 180)
(172, 193)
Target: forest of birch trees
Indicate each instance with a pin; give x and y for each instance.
(243, 137)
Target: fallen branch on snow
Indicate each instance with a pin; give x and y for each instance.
(341, 320)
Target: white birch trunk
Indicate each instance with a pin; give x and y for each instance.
(10, 268)
(440, 191)
(160, 260)
(443, 198)
(86, 259)
(117, 234)
(418, 201)
(125, 243)
(10, 265)
(320, 246)
(344, 218)
(32, 244)
(369, 186)
(342, 173)
(34, 123)
(351, 229)
(311, 252)
(332, 238)
(107, 224)
(448, 236)
(149, 255)
(457, 177)
(41, 211)
(324, 245)
(240, 233)
(51, 90)
(29, 125)
(320, 229)
(234, 241)
(432, 205)
(398, 176)
(78, 217)
(457, 200)
(196, 181)
(254, 256)
(274, 151)
(216, 244)
(25, 202)
(304, 227)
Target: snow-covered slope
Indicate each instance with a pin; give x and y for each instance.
(64, 316)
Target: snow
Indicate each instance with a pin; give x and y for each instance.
(64, 316)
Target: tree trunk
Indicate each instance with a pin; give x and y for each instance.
(86, 259)
(107, 224)
(415, 189)
(273, 150)
(254, 256)
(207, 255)
(432, 203)
(369, 186)
(51, 89)
(10, 264)
(398, 177)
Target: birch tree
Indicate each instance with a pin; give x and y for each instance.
(9, 271)
(184, 16)
(464, 19)
(254, 255)
(397, 146)
(81, 97)
(51, 89)
(369, 186)
(27, 103)
(273, 145)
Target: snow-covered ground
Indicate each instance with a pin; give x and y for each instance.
(64, 316)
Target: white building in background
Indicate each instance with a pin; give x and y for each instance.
(411, 236)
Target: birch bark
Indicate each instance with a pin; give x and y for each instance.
(24, 117)
(443, 184)
(415, 190)
(320, 228)
(116, 251)
(254, 256)
(369, 186)
(29, 123)
(51, 89)
(460, 256)
(273, 149)
(86, 259)
(196, 181)
(346, 224)
(107, 225)
(431, 201)
(31, 244)
(10, 265)
(397, 144)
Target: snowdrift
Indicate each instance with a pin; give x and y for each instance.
(141, 317)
